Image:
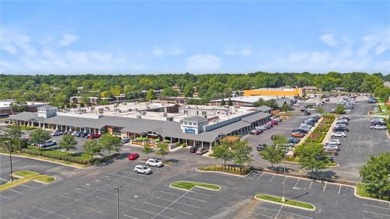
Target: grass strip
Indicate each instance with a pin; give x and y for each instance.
(24, 173)
(188, 185)
(44, 179)
(26, 176)
(361, 191)
(292, 203)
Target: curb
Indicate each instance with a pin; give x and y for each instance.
(229, 174)
(187, 190)
(44, 160)
(367, 198)
(287, 205)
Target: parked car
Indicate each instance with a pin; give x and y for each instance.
(293, 140)
(154, 162)
(332, 147)
(255, 132)
(306, 113)
(193, 149)
(340, 129)
(133, 156)
(142, 169)
(378, 127)
(47, 144)
(339, 134)
(331, 152)
(297, 135)
(202, 150)
(56, 133)
(84, 135)
(334, 141)
(125, 140)
(261, 147)
(76, 133)
(94, 135)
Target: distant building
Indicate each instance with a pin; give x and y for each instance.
(310, 89)
(276, 92)
(5, 107)
(250, 100)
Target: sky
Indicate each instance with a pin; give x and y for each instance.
(153, 37)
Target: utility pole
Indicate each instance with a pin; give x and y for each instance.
(117, 207)
(284, 173)
(10, 159)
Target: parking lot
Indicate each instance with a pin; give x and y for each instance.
(92, 194)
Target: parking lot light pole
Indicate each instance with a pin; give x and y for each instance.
(284, 184)
(117, 207)
(10, 159)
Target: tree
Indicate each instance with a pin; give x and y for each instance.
(92, 147)
(320, 110)
(147, 149)
(242, 153)
(109, 142)
(313, 158)
(150, 95)
(13, 133)
(39, 136)
(285, 107)
(162, 149)
(339, 109)
(223, 103)
(68, 142)
(223, 151)
(375, 174)
(230, 103)
(272, 154)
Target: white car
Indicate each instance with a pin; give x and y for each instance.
(334, 142)
(56, 133)
(339, 134)
(154, 162)
(378, 127)
(142, 169)
(332, 147)
(47, 144)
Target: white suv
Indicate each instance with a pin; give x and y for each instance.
(154, 163)
(339, 134)
(334, 142)
(142, 169)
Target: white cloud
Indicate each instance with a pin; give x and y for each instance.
(158, 51)
(378, 42)
(67, 39)
(238, 52)
(13, 43)
(328, 39)
(203, 62)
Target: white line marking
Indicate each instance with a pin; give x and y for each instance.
(78, 191)
(185, 213)
(5, 197)
(376, 207)
(162, 198)
(169, 193)
(296, 183)
(160, 206)
(262, 215)
(272, 178)
(170, 204)
(26, 215)
(310, 184)
(200, 193)
(100, 197)
(51, 212)
(284, 179)
(77, 200)
(126, 177)
(303, 216)
(276, 216)
(139, 209)
(376, 213)
(129, 216)
(324, 187)
(195, 199)
(16, 191)
(260, 176)
(30, 187)
(339, 189)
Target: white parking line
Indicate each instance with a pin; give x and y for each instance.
(260, 176)
(16, 191)
(272, 178)
(298, 215)
(311, 183)
(200, 193)
(5, 197)
(77, 200)
(339, 190)
(170, 205)
(30, 187)
(74, 190)
(261, 215)
(100, 197)
(129, 216)
(139, 209)
(27, 215)
(324, 187)
(195, 199)
(276, 216)
(284, 179)
(51, 212)
(160, 206)
(376, 213)
(296, 183)
(126, 177)
(161, 198)
(376, 207)
(169, 193)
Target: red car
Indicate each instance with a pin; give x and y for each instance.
(133, 156)
(94, 135)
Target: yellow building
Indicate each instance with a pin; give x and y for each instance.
(279, 92)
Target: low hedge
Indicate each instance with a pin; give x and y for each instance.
(228, 169)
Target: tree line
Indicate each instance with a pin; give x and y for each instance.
(57, 89)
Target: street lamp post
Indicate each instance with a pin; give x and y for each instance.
(10, 159)
(117, 207)
(284, 184)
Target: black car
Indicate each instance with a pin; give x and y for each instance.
(300, 130)
(306, 113)
(293, 140)
(340, 129)
(193, 149)
(260, 147)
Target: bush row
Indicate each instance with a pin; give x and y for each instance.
(227, 169)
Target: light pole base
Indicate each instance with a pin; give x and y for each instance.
(283, 199)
